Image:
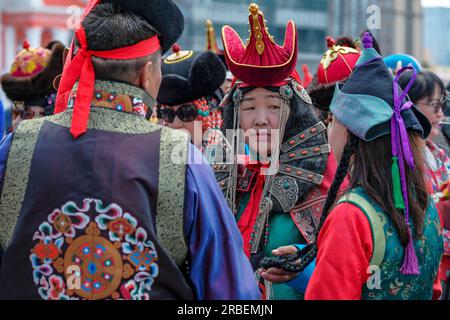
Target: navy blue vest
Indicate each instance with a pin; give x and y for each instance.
(92, 218)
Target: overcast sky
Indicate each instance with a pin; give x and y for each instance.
(436, 3)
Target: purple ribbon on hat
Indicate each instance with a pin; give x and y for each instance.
(401, 149)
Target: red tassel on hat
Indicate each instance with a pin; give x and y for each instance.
(330, 42)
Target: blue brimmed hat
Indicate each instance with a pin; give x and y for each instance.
(364, 104)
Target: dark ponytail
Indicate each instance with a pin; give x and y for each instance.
(300, 260)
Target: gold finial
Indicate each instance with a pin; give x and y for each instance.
(211, 43)
(254, 9)
(154, 118)
(256, 28)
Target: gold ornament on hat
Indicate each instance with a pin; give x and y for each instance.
(257, 28)
(334, 52)
(211, 43)
(178, 55)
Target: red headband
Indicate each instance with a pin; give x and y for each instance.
(81, 69)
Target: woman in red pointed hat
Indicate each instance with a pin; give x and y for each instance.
(277, 188)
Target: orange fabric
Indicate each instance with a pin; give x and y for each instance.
(308, 76)
(81, 69)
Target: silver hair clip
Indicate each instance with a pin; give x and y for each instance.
(237, 96)
(301, 92)
(286, 92)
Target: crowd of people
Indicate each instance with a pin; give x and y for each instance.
(134, 168)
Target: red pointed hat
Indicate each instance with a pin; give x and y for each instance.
(337, 63)
(261, 62)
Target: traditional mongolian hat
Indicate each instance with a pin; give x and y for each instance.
(193, 77)
(367, 109)
(336, 66)
(260, 62)
(211, 45)
(190, 75)
(32, 73)
(396, 62)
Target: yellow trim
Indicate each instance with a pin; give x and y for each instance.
(225, 46)
(379, 240)
(178, 57)
(333, 53)
(256, 29)
(211, 43)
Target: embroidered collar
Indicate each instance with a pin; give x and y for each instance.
(119, 96)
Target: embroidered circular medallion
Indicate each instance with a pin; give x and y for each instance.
(100, 264)
(93, 252)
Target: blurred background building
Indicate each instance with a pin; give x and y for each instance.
(437, 35)
(311, 18)
(38, 21)
(400, 25)
(315, 19)
(404, 25)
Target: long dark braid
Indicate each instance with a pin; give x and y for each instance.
(297, 262)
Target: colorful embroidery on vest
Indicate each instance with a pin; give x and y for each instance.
(79, 257)
(118, 96)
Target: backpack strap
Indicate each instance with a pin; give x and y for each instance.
(376, 224)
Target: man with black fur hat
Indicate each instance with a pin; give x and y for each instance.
(29, 84)
(111, 210)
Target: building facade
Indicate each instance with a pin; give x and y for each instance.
(311, 18)
(38, 21)
(397, 24)
(437, 36)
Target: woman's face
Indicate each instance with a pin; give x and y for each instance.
(259, 117)
(431, 107)
(337, 138)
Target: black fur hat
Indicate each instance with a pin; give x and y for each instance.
(190, 75)
(37, 86)
(163, 15)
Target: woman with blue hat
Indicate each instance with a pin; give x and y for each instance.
(382, 240)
